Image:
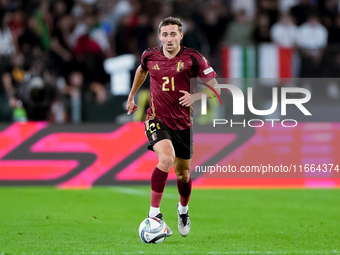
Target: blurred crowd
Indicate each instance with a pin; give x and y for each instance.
(52, 52)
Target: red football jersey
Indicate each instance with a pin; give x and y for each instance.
(167, 78)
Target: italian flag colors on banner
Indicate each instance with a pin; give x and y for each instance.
(239, 62)
(275, 62)
(265, 61)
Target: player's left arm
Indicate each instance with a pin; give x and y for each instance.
(188, 99)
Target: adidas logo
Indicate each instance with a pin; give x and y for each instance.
(156, 67)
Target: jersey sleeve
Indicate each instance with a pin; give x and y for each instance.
(144, 61)
(205, 70)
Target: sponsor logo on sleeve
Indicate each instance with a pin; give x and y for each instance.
(209, 70)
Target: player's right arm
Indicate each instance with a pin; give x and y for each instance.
(139, 79)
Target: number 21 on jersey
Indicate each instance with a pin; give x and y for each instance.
(166, 82)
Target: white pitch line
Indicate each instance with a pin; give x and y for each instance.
(142, 193)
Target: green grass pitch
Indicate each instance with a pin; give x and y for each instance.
(105, 220)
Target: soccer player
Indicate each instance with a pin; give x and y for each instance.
(169, 117)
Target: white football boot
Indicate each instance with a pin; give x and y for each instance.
(183, 223)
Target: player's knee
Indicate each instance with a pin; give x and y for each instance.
(167, 161)
(184, 176)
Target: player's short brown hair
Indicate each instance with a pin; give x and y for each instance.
(170, 21)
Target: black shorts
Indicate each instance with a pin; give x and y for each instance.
(181, 139)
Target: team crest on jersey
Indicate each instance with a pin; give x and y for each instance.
(180, 66)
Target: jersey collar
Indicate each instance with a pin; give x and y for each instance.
(179, 53)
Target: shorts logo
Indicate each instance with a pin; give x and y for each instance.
(180, 66)
(154, 136)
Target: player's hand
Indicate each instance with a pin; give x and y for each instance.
(131, 107)
(185, 99)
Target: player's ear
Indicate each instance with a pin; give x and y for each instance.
(182, 36)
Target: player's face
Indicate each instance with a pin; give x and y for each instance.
(170, 37)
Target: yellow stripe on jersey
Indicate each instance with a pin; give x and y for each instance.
(153, 109)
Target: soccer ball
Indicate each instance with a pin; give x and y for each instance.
(152, 230)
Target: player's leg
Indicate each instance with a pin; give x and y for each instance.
(182, 169)
(160, 142)
(166, 156)
(184, 185)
